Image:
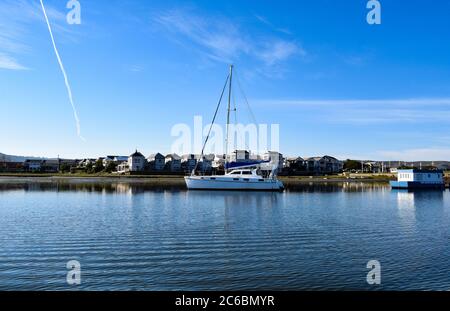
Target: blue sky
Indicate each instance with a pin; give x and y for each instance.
(335, 84)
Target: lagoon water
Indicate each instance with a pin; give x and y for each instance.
(133, 237)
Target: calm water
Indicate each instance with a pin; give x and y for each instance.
(132, 237)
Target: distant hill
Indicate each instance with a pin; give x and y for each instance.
(13, 158)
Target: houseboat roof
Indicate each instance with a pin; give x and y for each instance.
(416, 170)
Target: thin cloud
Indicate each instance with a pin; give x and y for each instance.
(266, 22)
(16, 19)
(420, 154)
(222, 39)
(278, 51)
(356, 102)
(7, 62)
(369, 111)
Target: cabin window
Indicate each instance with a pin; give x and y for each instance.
(235, 178)
(213, 178)
(260, 179)
(246, 173)
(246, 179)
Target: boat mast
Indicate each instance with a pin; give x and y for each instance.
(228, 117)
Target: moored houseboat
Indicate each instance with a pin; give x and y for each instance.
(417, 178)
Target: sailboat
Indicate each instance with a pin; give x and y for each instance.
(238, 175)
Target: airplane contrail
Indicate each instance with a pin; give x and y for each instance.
(66, 80)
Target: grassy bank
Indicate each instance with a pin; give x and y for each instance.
(177, 179)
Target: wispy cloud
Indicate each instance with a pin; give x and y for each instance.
(135, 68)
(266, 22)
(279, 50)
(7, 62)
(370, 111)
(222, 39)
(16, 19)
(421, 154)
(357, 102)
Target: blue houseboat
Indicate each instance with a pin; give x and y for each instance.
(415, 178)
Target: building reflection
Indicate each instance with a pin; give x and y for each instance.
(413, 204)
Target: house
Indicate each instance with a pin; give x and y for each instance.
(86, 162)
(156, 161)
(69, 162)
(205, 163)
(240, 156)
(136, 162)
(123, 168)
(295, 164)
(373, 167)
(173, 162)
(7, 166)
(218, 161)
(323, 165)
(50, 165)
(188, 162)
(32, 165)
(275, 158)
(114, 159)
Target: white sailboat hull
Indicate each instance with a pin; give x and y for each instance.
(229, 183)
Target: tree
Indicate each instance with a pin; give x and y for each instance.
(98, 167)
(64, 168)
(352, 165)
(89, 167)
(111, 167)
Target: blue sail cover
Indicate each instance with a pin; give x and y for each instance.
(232, 165)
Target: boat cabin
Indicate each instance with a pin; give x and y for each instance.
(242, 172)
(416, 178)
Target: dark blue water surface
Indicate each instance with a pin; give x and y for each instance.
(131, 237)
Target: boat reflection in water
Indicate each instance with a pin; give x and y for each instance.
(413, 204)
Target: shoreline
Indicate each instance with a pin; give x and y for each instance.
(178, 180)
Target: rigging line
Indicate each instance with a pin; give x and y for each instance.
(240, 133)
(246, 100)
(235, 122)
(212, 123)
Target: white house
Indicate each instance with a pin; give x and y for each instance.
(123, 168)
(157, 161)
(136, 162)
(240, 156)
(275, 158)
(219, 161)
(114, 159)
(85, 162)
(173, 162)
